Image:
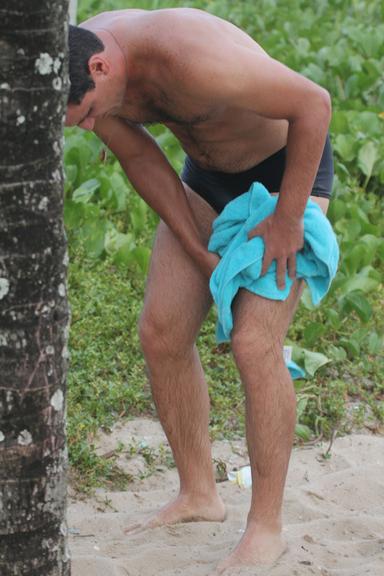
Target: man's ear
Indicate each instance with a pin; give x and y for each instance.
(98, 65)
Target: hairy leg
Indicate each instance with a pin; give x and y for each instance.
(177, 299)
(260, 326)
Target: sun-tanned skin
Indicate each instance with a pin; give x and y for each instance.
(231, 106)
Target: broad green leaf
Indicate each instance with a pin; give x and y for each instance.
(345, 146)
(339, 123)
(356, 301)
(120, 191)
(93, 234)
(73, 214)
(336, 353)
(367, 157)
(85, 192)
(357, 214)
(360, 282)
(125, 255)
(71, 172)
(351, 346)
(301, 405)
(333, 317)
(375, 343)
(142, 256)
(337, 210)
(357, 257)
(138, 215)
(349, 228)
(313, 361)
(303, 432)
(115, 240)
(313, 332)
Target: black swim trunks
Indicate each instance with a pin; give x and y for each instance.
(219, 188)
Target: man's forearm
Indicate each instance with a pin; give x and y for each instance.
(155, 180)
(305, 145)
(160, 187)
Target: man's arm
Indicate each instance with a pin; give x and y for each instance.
(156, 182)
(251, 80)
(236, 76)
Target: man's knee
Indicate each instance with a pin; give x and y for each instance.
(162, 337)
(256, 346)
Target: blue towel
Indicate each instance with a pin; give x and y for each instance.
(241, 259)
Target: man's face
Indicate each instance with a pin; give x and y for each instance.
(97, 102)
(83, 114)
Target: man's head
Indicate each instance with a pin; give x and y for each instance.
(95, 72)
(82, 45)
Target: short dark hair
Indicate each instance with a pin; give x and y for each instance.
(82, 45)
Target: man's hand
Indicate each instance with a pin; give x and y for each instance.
(282, 239)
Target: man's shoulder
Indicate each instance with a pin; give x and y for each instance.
(161, 17)
(110, 19)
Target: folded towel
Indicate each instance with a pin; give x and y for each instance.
(241, 259)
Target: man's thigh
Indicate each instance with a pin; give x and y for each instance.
(322, 202)
(259, 321)
(177, 296)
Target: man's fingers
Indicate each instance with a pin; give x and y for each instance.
(266, 264)
(281, 272)
(292, 267)
(253, 233)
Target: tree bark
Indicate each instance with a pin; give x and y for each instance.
(34, 314)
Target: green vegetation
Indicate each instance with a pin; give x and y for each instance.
(337, 43)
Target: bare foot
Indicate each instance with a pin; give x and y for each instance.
(184, 509)
(259, 545)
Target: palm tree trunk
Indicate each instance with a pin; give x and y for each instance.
(34, 315)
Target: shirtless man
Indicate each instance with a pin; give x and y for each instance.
(240, 116)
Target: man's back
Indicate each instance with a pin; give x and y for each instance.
(175, 53)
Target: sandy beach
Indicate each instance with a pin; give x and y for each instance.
(333, 513)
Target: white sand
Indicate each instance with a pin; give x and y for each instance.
(333, 514)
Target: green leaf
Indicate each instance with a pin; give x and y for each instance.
(73, 214)
(71, 172)
(92, 235)
(349, 229)
(354, 259)
(313, 361)
(303, 432)
(115, 241)
(333, 316)
(339, 123)
(375, 343)
(337, 210)
(85, 192)
(356, 301)
(138, 215)
(345, 146)
(142, 256)
(313, 332)
(363, 283)
(367, 157)
(336, 353)
(301, 405)
(120, 191)
(351, 346)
